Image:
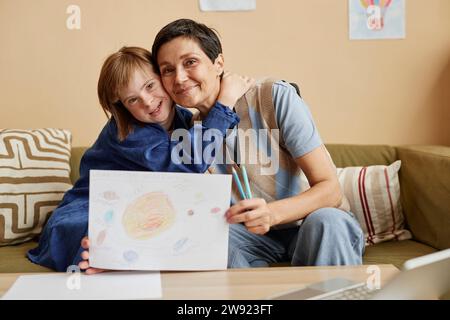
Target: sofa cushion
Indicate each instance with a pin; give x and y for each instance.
(395, 252)
(34, 174)
(425, 180)
(13, 259)
(373, 193)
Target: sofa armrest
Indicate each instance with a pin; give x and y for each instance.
(425, 192)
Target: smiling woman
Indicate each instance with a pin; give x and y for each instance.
(190, 60)
(189, 74)
(190, 63)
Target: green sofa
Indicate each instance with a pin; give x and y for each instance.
(425, 196)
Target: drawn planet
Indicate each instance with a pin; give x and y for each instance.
(215, 210)
(108, 216)
(179, 244)
(110, 195)
(148, 216)
(101, 237)
(130, 256)
(199, 196)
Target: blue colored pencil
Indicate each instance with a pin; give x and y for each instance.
(238, 183)
(247, 184)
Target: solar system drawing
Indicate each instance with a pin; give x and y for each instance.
(158, 221)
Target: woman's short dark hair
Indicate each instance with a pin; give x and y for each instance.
(206, 37)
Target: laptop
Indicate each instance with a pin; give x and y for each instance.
(423, 278)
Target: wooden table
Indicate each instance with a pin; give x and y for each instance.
(237, 284)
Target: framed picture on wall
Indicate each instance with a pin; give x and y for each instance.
(227, 5)
(376, 19)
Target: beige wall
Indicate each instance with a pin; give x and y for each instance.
(391, 91)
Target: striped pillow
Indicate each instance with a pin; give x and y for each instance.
(374, 196)
(34, 174)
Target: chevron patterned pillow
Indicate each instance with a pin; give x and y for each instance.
(34, 174)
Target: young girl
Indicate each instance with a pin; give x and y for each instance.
(136, 137)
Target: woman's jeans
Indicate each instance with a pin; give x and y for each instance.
(327, 236)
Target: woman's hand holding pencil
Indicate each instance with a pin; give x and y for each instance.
(254, 213)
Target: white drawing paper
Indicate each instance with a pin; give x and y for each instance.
(78, 286)
(227, 5)
(158, 221)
